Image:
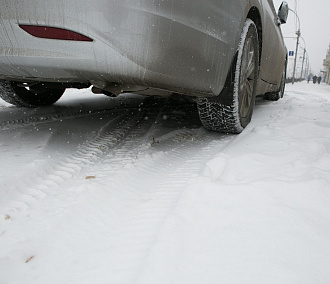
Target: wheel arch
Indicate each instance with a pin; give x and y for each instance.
(255, 16)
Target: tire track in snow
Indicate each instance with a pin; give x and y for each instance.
(19, 194)
(170, 159)
(170, 172)
(39, 119)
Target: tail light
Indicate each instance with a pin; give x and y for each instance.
(54, 33)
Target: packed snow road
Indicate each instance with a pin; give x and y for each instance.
(134, 190)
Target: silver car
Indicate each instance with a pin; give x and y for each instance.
(221, 53)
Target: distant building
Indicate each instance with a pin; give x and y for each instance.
(326, 64)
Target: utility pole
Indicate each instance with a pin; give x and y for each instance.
(302, 65)
(297, 44)
(307, 67)
(295, 57)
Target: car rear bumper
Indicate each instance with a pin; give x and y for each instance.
(151, 43)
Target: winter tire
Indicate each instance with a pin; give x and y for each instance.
(231, 111)
(37, 95)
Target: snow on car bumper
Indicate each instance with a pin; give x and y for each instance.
(150, 43)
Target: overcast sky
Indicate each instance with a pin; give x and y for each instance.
(315, 29)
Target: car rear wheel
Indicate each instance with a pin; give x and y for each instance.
(36, 95)
(231, 111)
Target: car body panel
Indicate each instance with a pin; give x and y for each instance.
(180, 46)
(274, 52)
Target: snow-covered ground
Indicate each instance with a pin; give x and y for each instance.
(134, 190)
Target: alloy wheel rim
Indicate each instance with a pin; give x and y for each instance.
(247, 77)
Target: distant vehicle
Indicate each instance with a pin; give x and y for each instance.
(222, 53)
